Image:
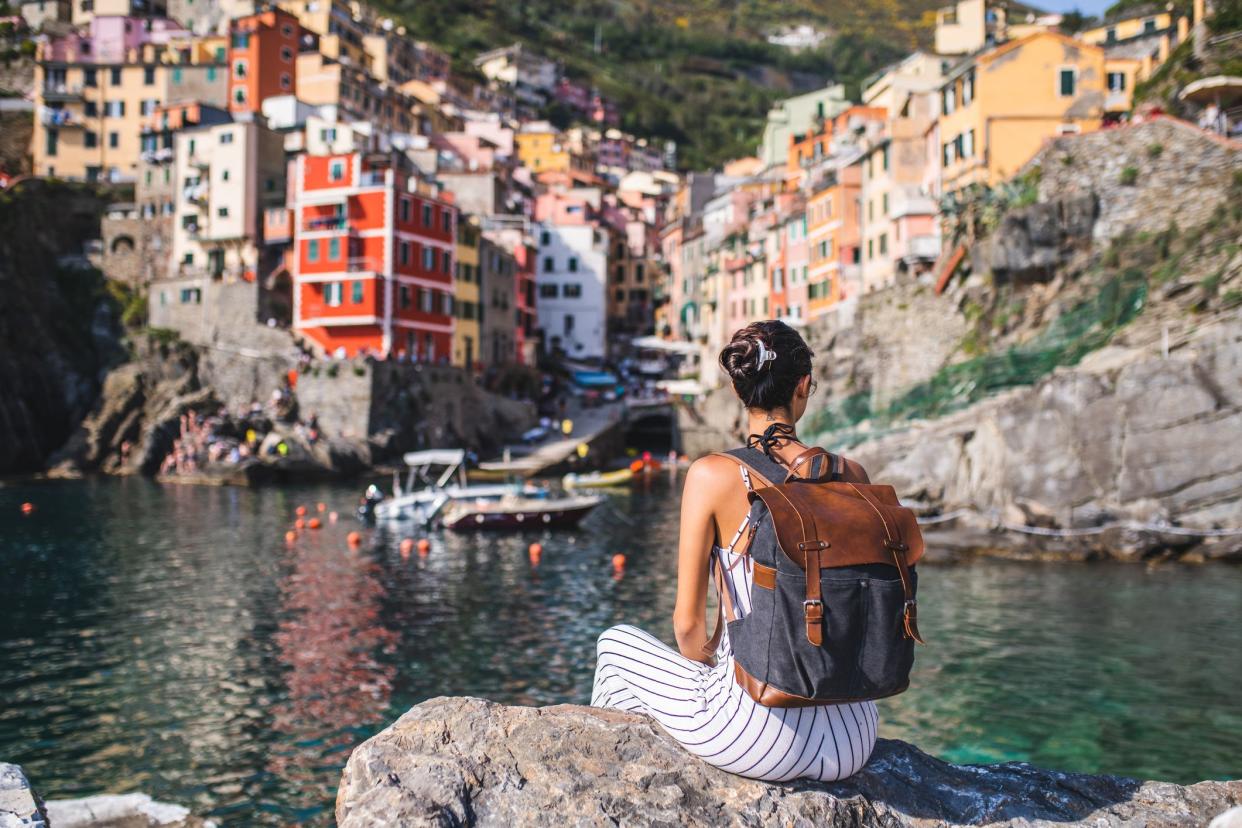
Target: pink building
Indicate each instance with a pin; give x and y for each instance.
(109, 40)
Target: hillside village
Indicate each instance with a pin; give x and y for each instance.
(307, 177)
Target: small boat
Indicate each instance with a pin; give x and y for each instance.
(422, 496)
(513, 513)
(598, 480)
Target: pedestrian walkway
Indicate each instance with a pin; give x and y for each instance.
(589, 424)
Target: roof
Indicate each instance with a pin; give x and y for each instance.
(989, 55)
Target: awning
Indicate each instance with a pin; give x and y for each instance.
(655, 343)
(1223, 90)
(595, 379)
(434, 457)
(682, 388)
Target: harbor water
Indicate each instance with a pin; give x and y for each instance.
(167, 639)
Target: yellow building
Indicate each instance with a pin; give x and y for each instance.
(341, 27)
(999, 107)
(1145, 21)
(91, 105)
(540, 148)
(466, 337)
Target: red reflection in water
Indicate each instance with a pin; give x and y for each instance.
(329, 641)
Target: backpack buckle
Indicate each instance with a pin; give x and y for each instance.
(807, 604)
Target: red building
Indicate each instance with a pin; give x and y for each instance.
(263, 58)
(372, 258)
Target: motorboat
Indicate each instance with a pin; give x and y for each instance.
(598, 479)
(433, 480)
(519, 512)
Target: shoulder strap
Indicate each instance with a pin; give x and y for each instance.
(759, 464)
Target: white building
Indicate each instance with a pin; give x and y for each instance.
(571, 280)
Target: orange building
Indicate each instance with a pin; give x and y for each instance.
(373, 259)
(263, 53)
(833, 232)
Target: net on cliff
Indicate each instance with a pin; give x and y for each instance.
(1086, 327)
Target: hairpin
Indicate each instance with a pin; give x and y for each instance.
(765, 356)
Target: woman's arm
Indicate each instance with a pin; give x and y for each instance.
(702, 492)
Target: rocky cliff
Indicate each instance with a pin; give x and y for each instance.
(453, 761)
(57, 327)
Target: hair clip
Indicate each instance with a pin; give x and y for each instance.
(765, 356)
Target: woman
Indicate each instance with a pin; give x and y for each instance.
(693, 694)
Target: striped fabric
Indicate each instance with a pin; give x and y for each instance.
(705, 710)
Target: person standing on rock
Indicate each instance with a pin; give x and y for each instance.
(697, 694)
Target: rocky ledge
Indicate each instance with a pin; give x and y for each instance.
(462, 761)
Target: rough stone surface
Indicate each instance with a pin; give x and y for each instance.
(454, 761)
(121, 811)
(19, 804)
(1136, 436)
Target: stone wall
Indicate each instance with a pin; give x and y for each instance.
(1182, 174)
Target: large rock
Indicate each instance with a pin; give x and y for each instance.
(460, 761)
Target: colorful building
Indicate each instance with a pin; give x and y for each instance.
(833, 235)
(373, 257)
(998, 107)
(572, 274)
(263, 52)
(466, 306)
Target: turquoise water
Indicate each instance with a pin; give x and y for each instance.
(166, 640)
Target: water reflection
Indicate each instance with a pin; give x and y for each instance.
(165, 639)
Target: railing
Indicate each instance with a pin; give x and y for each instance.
(325, 223)
(364, 264)
(374, 178)
(61, 92)
(923, 247)
(58, 117)
(195, 193)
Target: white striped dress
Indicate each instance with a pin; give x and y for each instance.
(706, 710)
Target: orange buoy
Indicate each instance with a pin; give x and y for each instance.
(323, 507)
(407, 546)
(28, 508)
(618, 561)
(354, 539)
(315, 523)
(299, 524)
(290, 537)
(424, 546)
(636, 466)
(535, 554)
(536, 549)
(300, 511)
(332, 517)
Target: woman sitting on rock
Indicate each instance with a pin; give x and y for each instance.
(693, 694)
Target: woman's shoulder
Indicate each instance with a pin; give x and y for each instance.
(711, 471)
(853, 471)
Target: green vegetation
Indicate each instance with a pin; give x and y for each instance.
(699, 72)
(132, 304)
(1129, 176)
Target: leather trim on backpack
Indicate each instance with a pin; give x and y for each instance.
(769, 696)
(762, 576)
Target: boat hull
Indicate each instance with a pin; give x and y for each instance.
(469, 520)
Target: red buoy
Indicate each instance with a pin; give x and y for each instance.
(354, 539)
(300, 511)
(290, 537)
(28, 508)
(424, 546)
(314, 523)
(407, 546)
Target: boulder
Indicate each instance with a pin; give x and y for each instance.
(22, 807)
(463, 761)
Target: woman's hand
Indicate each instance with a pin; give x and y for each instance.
(707, 482)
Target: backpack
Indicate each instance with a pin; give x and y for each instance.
(833, 616)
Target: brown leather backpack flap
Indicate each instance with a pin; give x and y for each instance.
(857, 522)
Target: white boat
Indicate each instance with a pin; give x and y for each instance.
(424, 492)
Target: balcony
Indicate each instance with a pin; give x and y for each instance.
(324, 223)
(196, 194)
(59, 118)
(922, 248)
(62, 92)
(364, 264)
(373, 178)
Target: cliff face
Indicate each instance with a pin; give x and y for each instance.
(57, 332)
(470, 762)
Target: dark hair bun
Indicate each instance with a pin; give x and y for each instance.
(766, 361)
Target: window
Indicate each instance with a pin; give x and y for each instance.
(115, 76)
(334, 249)
(148, 76)
(403, 296)
(620, 295)
(446, 261)
(336, 170)
(53, 140)
(446, 221)
(147, 107)
(91, 139)
(638, 274)
(884, 157)
(89, 77)
(1149, 25)
(426, 215)
(224, 175)
(1067, 82)
(114, 109)
(312, 250)
(226, 138)
(968, 145)
(403, 250)
(547, 291)
(548, 264)
(884, 204)
(429, 259)
(355, 293)
(223, 212)
(114, 140)
(573, 264)
(286, 54)
(884, 244)
(285, 81)
(425, 300)
(239, 69)
(191, 296)
(569, 324)
(573, 290)
(950, 99)
(286, 30)
(239, 94)
(968, 88)
(545, 238)
(870, 249)
(332, 294)
(90, 109)
(405, 202)
(1116, 81)
(241, 40)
